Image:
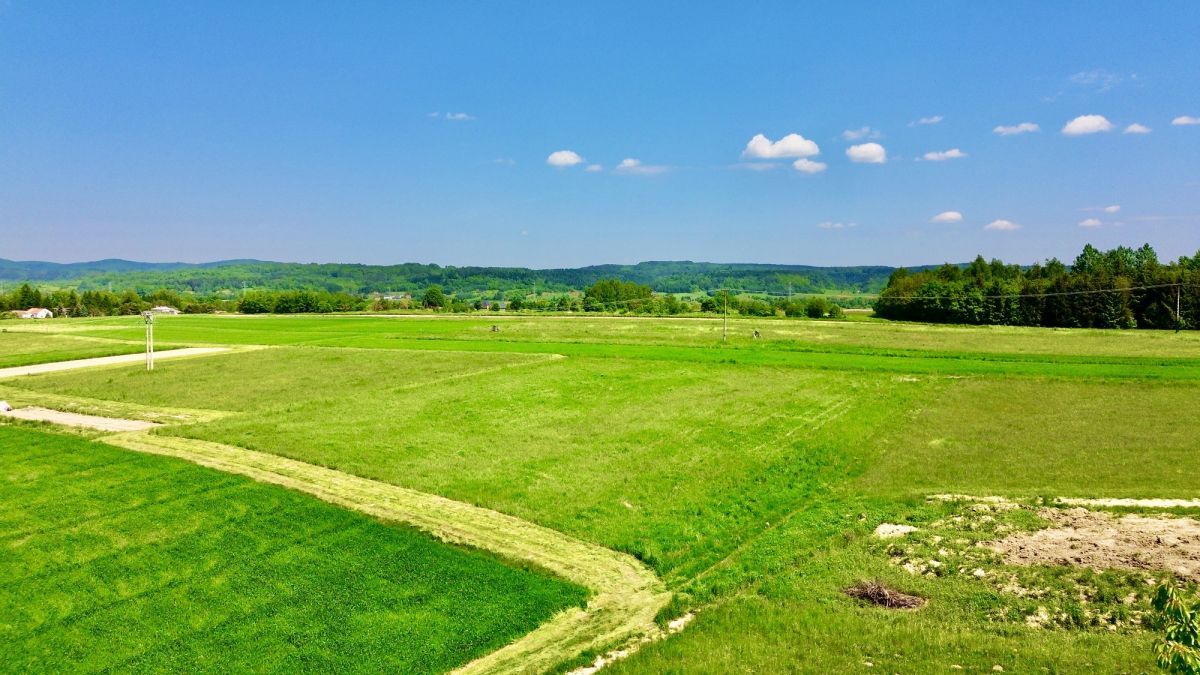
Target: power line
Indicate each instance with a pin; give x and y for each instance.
(1047, 294)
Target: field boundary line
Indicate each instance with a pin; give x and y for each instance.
(626, 596)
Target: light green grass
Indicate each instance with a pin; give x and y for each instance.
(748, 474)
(1030, 437)
(117, 560)
(823, 334)
(27, 349)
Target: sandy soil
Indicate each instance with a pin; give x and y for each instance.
(891, 530)
(78, 420)
(1101, 540)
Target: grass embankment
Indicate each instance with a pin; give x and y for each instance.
(748, 475)
(116, 560)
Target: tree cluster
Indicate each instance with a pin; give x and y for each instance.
(1120, 288)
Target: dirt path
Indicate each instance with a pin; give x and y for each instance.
(70, 419)
(123, 359)
(626, 595)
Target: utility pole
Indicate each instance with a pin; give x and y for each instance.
(725, 320)
(149, 316)
(1178, 305)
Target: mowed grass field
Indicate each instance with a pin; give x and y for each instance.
(119, 561)
(748, 474)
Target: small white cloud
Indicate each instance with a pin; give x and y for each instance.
(936, 119)
(564, 158)
(1090, 222)
(434, 115)
(524, 233)
(594, 168)
(947, 217)
(504, 161)
(459, 117)
(1112, 209)
(1102, 80)
(635, 167)
(1022, 128)
(1002, 225)
(867, 153)
(953, 153)
(1087, 124)
(792, 145)
(756, 166)
(1136, 128)
(808, 166)
(1185, 121)
(830, 225)
(861, 133)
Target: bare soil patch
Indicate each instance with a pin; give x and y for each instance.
(1101, 540)
(878, 594)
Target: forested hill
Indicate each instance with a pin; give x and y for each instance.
(235, 275)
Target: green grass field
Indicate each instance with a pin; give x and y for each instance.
(120, 561)
(747, 474)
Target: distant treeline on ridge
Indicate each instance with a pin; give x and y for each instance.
(233, 276)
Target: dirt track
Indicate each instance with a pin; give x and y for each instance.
(70, 419)
(123, 359)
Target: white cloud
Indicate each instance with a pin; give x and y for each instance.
(1002, 225)
(953, 153)
(1136, 128)
(1087, 124)
(861, 133)
(1022, 128)
(564, 158)
(792, 145)
(936, 119)
(809, 166)
(1112, 209)
(504, 161)
(756, 166)
(459, 117)
(1102, 80)
(593, 168)
(635, 167)
(867, 153)
(1090, 222)
(947, 217)
(830, 225)
(1185, 121)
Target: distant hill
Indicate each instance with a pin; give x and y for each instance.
(229, 276)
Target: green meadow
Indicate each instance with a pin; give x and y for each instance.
(748, 473)
(121, 561)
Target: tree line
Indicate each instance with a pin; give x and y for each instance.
(614, 296)
(1119, 288)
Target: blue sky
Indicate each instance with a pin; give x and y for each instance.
(422, 131)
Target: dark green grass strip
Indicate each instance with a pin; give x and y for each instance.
(113, 560)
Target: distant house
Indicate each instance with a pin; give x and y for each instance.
(163, 309)
(35, 313)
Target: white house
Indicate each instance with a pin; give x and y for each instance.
(163, 309)
(36, 313)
